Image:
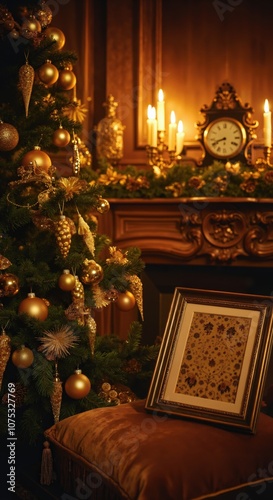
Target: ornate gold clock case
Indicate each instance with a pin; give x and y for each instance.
(227, 129)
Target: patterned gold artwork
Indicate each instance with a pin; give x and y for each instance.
(213, 356)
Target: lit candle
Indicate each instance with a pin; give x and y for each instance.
(172, 133)
(149, 124)
(267, 125)
(153, 128)
(179, 137)
(161, 111)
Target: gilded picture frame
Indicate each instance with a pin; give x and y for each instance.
(213, 358)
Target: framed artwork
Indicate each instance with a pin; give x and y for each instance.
(213, 358)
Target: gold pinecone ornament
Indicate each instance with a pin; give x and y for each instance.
(64, 228)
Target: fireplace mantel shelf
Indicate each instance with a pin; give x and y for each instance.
(194, 231)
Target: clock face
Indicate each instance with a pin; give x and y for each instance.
(224, 138)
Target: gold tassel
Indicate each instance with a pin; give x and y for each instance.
(46, 465)
(26, 79)
(84, 230)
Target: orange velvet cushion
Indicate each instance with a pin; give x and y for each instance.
(146, 457)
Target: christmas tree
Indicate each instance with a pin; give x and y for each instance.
(56, 269)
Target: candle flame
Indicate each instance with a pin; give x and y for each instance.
(161, 95)
(173, 119)
(266, 106)
(151, 112)
(180, 127)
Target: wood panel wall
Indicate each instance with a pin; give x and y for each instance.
(131, 48)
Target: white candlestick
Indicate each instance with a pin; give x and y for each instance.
(153, 143)
(149, 125)
(267, 125)
(172, 133)
(179, 137)
(161, 111)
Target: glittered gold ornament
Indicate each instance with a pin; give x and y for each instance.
(64, 228)
(76, 160)
(38, 158)
(92, 330)
(22, 357)
(92, 272)
(137, 289)
(56, 35)
(32, 25)
(125, 301)
(44, 14)
(26, 79)
(9, 136)
(4, 262)
(102, 206)
(67, 79)
(5, 350)
(66, 281)
(78, 293)
(48, 73)
(56, 396)
(77, 386)
(34, 307)
(9, 285)
(61, 137)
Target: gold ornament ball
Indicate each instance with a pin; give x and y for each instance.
(57, 35)
(48, 73)
(22, 357)
(125, 301)
(9, 137)
(9, 285)
(92, 273)
(66, 281)
(37, 158)
(67, 79)
(61, 138)
(32, 24)
(103, 206)
(34, 307)
(77, 386)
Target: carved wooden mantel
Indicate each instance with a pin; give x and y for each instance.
(194, 231)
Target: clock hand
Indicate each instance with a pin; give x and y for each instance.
(218, 140)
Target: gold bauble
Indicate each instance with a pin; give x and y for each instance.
(61, 137)
(77, 386)
(9, 137)
(126, 301)
(57, 35)
(67, 79)
(22, 357)
(92, 272)
(38, 158)
(32, 24)
(34, 307)
(66, 281)
(48, 73)
(103, 206)
(9, 285)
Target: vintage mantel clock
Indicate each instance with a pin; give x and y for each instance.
(227, 130)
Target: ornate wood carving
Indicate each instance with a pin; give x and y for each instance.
(195, 231)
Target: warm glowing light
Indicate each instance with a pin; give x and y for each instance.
(173, 119)
(160, 95)
(180, 127)
(266, 106)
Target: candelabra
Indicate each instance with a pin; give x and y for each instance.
(265, 161)
(160, 156)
